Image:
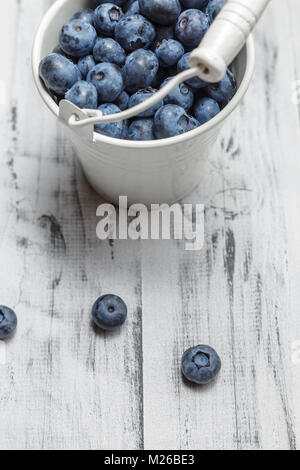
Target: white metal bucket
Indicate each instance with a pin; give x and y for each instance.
(146, 172)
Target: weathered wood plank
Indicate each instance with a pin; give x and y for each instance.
(236, 293)
(64, 385)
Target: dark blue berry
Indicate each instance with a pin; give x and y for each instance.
(59, 73)
(108, 80)
(140, 70)
(134, 32)
(160, 11)
(108, 50)
(77, 38)
(205, 109)
(141, 129)
(223, 91)
(172, 120)
(109, 312)
(181, 95)
(200, 364)
(8, 322)
(169, 52)
(191, 27)
(106, 17)
(141, 96)
(84, 95)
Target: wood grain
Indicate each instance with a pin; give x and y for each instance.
(65, 386)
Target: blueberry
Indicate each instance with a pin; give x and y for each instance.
(140, 70)
(84, 14)
(119, 3)
(83, 95)
(122, 101)
(171, 120)
(85, 64)
(160, 11)
(191, 27)
(134, 32)
(181, 95)
(200, 364)
(213, 9)
(141, 96)
(134, 9)
(77, 38)
(8, 322)
(111, 129)
(195, 4)
(59, 73)
(169, 52)
(184, 64)
(108, 80)
(141, 129)
(109, 312)
(106, 17)
(223, 91)
(108, 50)
(205, 109)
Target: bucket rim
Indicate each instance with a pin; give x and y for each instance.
(149, 144)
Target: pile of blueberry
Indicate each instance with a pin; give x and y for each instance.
(121, 53)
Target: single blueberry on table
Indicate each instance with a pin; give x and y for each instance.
(109, 312)
(8, 322)
(134, 9)
(77, 38)
(213, 9)
(84, 95)
(122, 101)
(141, 96)
(84, 14)
(194, 4)
(106, 17)
(172, 120)
(141, 129)
(134, 32)
(140, 70)
(85, 64)
(200, 364)
(59, 73)
(181, 95)
(108, 80)
(223, 91)
(191, 27)
(184, 64)
(205, 109)
(169, 52)
(160, 11)
(109, 50)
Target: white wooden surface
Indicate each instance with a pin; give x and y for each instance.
(65, 387)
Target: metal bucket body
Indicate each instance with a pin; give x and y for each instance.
(146, 172)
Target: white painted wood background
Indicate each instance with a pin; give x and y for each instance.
(65, 387)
